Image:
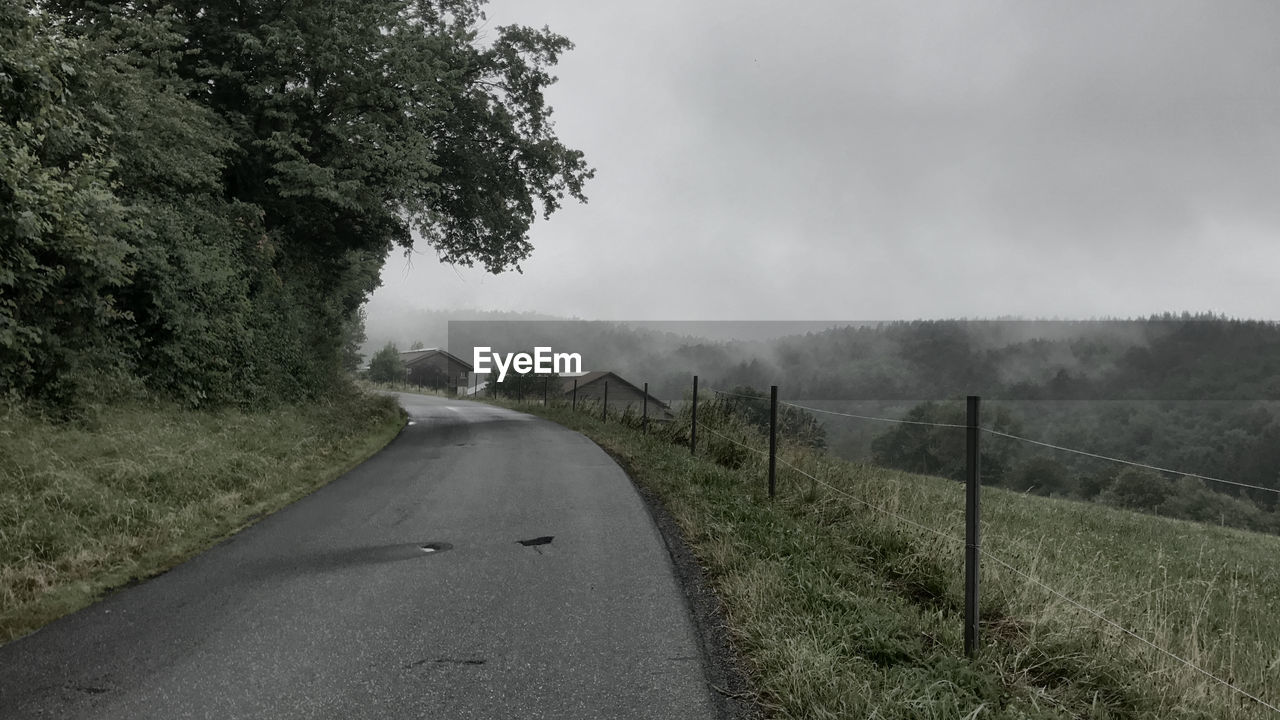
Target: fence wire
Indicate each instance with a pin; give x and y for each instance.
(744, 446)
(757, 398)
(872, 417)
(1112, 623)
(987, 555)
(873, 506)
(1127, 462)
(1076, 451)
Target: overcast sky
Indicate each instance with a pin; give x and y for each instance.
(894, 160)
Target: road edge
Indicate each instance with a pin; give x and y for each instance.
(725, 671)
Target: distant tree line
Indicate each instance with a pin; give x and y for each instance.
(1240, 444)
(1164, 357)
(196, 198)
(1196, 393)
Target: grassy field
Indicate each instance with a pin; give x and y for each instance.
(844, 611)
(130, 491)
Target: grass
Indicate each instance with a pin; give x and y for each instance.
(132, 490)
(843, 611)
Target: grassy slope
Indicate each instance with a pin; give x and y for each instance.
(843, 611)
(88, 506)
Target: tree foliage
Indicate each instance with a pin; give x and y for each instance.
(932, 441)
(201, 195)
(794, 424)
(385, 365)
(62, 253)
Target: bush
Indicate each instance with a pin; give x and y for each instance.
(1136, 489)
(385, 365)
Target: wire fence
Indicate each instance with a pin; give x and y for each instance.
(1130, 463)
(1030, 441)
(953, 539)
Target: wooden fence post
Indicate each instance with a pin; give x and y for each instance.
(693, 429)
(644, 417)
(773, 437)
(972, 482)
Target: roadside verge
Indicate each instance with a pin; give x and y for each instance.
(91, 505)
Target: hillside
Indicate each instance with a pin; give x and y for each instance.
(1199, 394)
(844, 593)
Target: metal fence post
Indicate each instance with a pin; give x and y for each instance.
(971, 543)
(644, 416)
(545, 383)
(604, 406)
(773, 437)
(575, 395)
(693, 429)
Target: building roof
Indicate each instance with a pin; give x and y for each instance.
(413, 357)
(588, 378)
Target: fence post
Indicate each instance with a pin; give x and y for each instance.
(545, 383)
(693, 428)
(644, 417)
(575, 395)
(773, 436)
(604, 406)
(971, 544)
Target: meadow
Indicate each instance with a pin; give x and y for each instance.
(845, 593)
(128, 490)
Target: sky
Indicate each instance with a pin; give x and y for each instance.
(849, 160)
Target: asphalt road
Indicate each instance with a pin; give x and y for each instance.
(331, 608)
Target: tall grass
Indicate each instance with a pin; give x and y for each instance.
(130, 490)
(843, 610)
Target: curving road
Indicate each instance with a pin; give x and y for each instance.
(330, 608)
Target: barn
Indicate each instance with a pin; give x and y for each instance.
(433, 367)
(622, 394)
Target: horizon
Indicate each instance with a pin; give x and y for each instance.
(983, 160)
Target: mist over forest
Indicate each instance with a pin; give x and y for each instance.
(1199, 394)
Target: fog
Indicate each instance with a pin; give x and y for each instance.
(879, 160)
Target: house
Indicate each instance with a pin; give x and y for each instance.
(433, 367)
(622, 394)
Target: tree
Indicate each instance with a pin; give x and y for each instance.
(360, 124)
(61, 254)
(354, 338)
(1039, 474)
(1137, 489)
(385, 365)
(203, 193)
(930, 443)
(794, 424)
(525, 385)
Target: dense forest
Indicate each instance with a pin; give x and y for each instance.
(1199, 395)
(197, 197)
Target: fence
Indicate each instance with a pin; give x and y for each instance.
(972, 545)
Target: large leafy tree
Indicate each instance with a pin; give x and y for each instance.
(385, 366)
(359, 122)
(60, 253)
(361, 125)
(218, 183)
